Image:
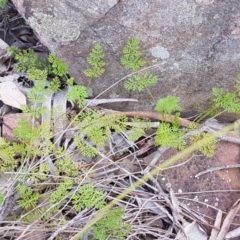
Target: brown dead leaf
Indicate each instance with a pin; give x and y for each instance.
(11, 95)
(10, 122)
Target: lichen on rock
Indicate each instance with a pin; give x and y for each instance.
(160, 52)
(61, 30)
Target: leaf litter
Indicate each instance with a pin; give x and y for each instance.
(146, 208)
(156, 209)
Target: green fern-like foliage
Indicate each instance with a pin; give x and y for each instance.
(209, 146)
(7, 156)
(36, 139)
(137, 128)
(140, 82)
(109, 121)
(27, 59)
(3, 3)
(39, 69)
(37, 74)
(87, 196)
(230, 102)
(65, 166)
(28, 198)
(96, 60)
(40, 212)
(39, 92)
(168, 105)
(77, 94)
(37, 95)
(169, 136)
(85, 148)
(43, 171)
(44, 144)
(25, 132)
(33, 111)
(12, 51)
(221, 102)
(62, 191)
(35, 145)
(96, 128)
(70, 81)
(112, 226)
(64, 163)
(131, 58)
(59, 67)
(19, 148)
(55, 84)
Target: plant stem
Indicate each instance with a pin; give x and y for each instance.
(154, 115)
(207, 113)
(150, 94)
(89, 82)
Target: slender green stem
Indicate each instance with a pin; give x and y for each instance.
(207, 113)
(218, 114)
(89, 82)
(150, 94)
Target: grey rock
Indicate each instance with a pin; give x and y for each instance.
(192, 45)
(188, 65)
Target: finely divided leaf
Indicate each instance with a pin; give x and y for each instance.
(168, 105)
(140, 82)
(131, 58)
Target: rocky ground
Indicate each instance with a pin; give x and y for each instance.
(193, 45)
